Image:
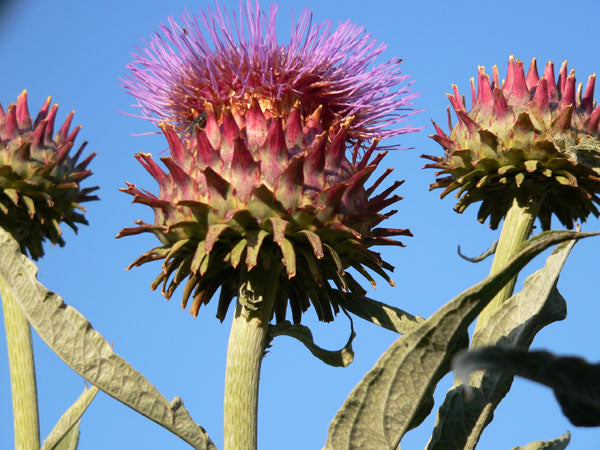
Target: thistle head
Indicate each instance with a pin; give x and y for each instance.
(531, 138)
(269, 158)
(40, 180)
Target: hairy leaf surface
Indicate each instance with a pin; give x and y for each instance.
(82, 348)
(66, 429)
(459, 424)
(397, 394)
(560, 443)
(69, 441)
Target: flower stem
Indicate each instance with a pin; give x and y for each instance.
(246, 348)
(516, 229)
(22, 373)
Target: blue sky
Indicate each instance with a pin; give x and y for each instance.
(75, 51)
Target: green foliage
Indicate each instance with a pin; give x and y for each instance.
(68, 333)
(459, 424)
(379, 313)
(560, 443)
(397, 394)
(575, 382)
(69, 441)
(65, 433)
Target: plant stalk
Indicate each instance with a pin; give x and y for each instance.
(246, 348)
(516, 229)
(22, 373)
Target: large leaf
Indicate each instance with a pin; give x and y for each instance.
(575, 382)
(381, 314)
(459, 425)
(67, 427)
(560, 443)
(75, 341)
(397, 394)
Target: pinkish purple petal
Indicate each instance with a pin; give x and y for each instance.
(215, 57)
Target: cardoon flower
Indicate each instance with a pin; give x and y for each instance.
(40, 180)
(259, 171)
(530, 139)
(180, 72)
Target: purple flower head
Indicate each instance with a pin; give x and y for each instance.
(218, 59)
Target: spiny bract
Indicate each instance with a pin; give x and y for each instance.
(239, 198)
(531, 138)
(261, 177)
(39, 180)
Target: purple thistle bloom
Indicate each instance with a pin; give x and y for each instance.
(258, 179)
(180, 71)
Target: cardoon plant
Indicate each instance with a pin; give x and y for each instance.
(265, 196)
(264, 201)
(39, 189)
(528, 148)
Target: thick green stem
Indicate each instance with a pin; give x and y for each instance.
(22, 373)
(246, 348)
(516, 229)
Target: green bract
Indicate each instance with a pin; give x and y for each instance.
(257, 186)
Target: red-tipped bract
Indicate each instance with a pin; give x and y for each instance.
(39, 179)
(532, 138)
(254, 189)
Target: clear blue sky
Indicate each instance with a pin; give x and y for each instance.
(75, 51)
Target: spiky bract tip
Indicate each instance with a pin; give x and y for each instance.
(254, 188)
(40, 181)
(531, 138)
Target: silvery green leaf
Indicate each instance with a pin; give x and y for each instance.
(459, 424)
(382, 314)
(69, 441)
(82, 348)
(560, 443)
(397, 393)
(67, 427)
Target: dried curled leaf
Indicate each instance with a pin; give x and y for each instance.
(335, 358)
(475, 259)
